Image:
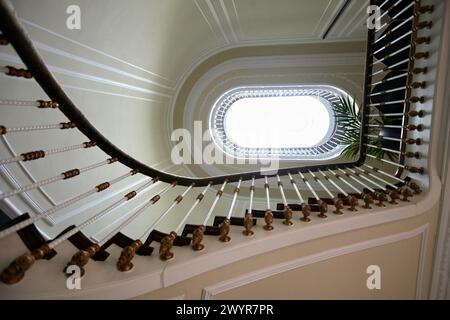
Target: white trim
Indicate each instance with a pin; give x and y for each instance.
(440, 140)
(69, 73)
(210, 291)
(92, 49)
(210, 53)
(227, 17)
(216, 18)
(331, 18)
(206, 20)
(44, 47)
(314, 32)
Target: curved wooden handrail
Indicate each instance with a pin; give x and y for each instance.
(16, 34)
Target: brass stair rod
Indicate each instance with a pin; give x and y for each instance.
(338, 177)
(321, 184)
(216, 200)
(176, 201)
(367, 179)
(63, 176)
(384, 173)
(334, 184)
(99, 188)
(297, 191)
(81, 257)
(348, 175)
(197, 201)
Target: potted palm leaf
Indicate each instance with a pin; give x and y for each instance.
(349, 116)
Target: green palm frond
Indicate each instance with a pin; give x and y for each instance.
(349, 116)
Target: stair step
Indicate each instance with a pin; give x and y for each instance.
(233, 221)
(209, 230)
(179, 241)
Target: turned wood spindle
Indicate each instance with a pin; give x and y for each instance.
(417, 99)
(197, 238)
(323, 209)
(248, 220)
(353, 201)
(406, 193)
(420, 170)
(287, 216)
(166, 245)
(417, 141)
(20, 73)
(414, 186)
(224, 230)
(15, 272)
(381, 198)
(410, 155)
(338, 205)
(306, 212)
(81, 258)
(47, 104)
(268, 219)
(368, 200)
(248, 225)
(124, 263)
(423, 25)
(419, 114)
(394, 195)
(412, 127)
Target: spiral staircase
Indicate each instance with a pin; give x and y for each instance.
(210, 221)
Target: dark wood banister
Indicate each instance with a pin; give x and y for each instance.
(16, 34)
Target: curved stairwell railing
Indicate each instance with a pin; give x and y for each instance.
(390, 70)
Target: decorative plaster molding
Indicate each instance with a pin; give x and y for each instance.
(257, 275)
(60, 36)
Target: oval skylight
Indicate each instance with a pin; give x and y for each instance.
(282, 122)
(278, 122)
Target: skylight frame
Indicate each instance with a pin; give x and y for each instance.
(325, 151)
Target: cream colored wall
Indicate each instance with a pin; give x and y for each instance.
(340, 277)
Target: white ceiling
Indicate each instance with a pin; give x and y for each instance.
(282, 21)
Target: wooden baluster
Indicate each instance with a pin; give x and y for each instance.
(268, 217)
(167, 242)
(248, 221)
(338, 203)
(62, 126)
(225, 225)
(15, 72)
(15, 272)
(34, 155)
(124, 263)
(306, 209)
(101, 187)
(323, 207)
(197, 236)
(322, 215)
(201, 229)
(63, 176)
(287, 211)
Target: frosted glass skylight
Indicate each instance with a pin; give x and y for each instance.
(278, 122)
